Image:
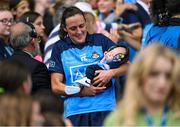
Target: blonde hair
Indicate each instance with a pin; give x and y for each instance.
(16, 110)
(133, 98)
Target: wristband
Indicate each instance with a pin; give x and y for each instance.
(69, 90)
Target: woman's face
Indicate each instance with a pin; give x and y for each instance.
(76, 28)
(22, 8)
(6, 21)
(38, 24)
(158, 84)
(105, 6)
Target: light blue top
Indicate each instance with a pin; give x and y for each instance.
(165, 35)
(72, 61)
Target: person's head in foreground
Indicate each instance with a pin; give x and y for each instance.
(151, 87)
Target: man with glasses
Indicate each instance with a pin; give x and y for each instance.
(25, 44)
(6, 21)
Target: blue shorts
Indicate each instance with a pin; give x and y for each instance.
(89, 119)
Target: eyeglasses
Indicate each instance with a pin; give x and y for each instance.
(7, 21)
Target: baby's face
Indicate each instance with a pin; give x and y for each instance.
(110, 55)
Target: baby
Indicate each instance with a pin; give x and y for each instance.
(113, 58)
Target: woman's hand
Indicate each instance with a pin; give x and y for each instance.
(91, 91)
(103, 77)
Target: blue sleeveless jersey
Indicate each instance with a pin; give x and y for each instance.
(165, 35)
(72, 60)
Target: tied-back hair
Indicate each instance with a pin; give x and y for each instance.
(133, 100)
(159, 12)
(29, 16)
(163, 10)
(68, 12)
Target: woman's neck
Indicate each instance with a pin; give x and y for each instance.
(154, 107)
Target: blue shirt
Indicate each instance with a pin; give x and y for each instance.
(129, 1)
(72, 60)
(5, 50)
(165, 35)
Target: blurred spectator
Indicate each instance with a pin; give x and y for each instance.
(6, 21)
(89, 15)
(14, 77)
(166, 19)
(104, 20)
(106, 7)
(68, 3)
(115, 12)
(37, 20)
(130, 15)
(49, 102)
(131, 19)
(93, 3)
(52, 108)
(133, 35)
(43, 7)
(4, 5)
(19, 110)
(24, 41)
(151, 95)
(19, 7)
(58, 9)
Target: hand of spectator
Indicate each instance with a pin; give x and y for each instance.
(120, 8)
(113, 35)
(131, 33)
(91, 91)
(133, 30)
(129, 27)
(103, 77)
(130, 7)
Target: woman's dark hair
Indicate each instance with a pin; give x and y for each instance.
(13, 4)
(173, 6)
(68, 12)
(12, 75)
(4, 5)
(29, 16)
(163, 10)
